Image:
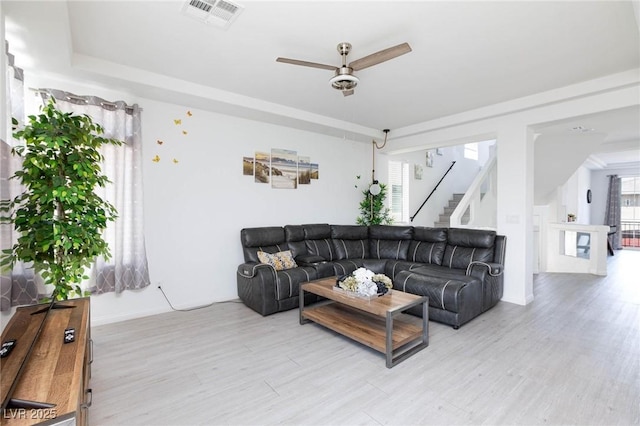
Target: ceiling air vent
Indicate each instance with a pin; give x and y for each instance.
(216, 12)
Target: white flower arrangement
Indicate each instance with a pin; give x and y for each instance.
(366, 283)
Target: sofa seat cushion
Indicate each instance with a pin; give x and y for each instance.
(439, 271)
(444, 291)
(347, 266)
(393, 267)
(288, 281)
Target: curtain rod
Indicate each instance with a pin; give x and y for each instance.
(92, 100)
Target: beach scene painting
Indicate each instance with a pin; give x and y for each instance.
(314, 171)
(262, 167)
(304, 170)
(247, 166)
(284, 169)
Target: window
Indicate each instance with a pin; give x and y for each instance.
(471, 151)
(399, 190)
(17, 286)
(630, 211)
(127, 269)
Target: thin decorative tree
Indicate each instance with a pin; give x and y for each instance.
(59, 217)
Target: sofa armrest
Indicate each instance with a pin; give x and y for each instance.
(257, 284)
(479, 269)
(251, 269)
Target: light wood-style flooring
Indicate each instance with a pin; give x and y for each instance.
(570, 357)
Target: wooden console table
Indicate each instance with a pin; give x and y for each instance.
(55, 377)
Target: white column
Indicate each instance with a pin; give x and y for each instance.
(515, 209)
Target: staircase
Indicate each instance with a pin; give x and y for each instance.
(478, 207)
(444, 219)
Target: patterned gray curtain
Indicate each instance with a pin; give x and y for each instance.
(18, 286)
(612, 215)
(127, 269)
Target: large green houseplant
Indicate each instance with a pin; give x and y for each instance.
(59, 217)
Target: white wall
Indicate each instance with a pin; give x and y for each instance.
(572, 197)
(195, 209)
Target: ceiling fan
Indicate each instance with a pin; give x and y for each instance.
(344, 79)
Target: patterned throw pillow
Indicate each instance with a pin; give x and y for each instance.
(280, 261)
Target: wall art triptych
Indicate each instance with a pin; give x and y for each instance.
(282, 168)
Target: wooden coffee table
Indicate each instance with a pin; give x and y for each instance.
(376, 322)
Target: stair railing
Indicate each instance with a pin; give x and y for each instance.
(432, 191)
(476, 196)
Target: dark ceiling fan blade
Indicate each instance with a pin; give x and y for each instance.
(306, 64)
(347, 92)
(381, 56)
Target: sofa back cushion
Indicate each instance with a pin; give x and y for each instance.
(317, 239)
(389, 242)
(350, 241)
(269, 239)
(468, 245)
(294, 235)
(428, 245)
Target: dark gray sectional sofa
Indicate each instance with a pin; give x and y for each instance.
(460, 270)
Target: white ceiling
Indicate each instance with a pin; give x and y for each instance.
(465, 55)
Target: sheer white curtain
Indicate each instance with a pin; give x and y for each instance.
(127, 268)
(17, 286)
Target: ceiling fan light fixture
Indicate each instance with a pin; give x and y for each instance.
(344, 82)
